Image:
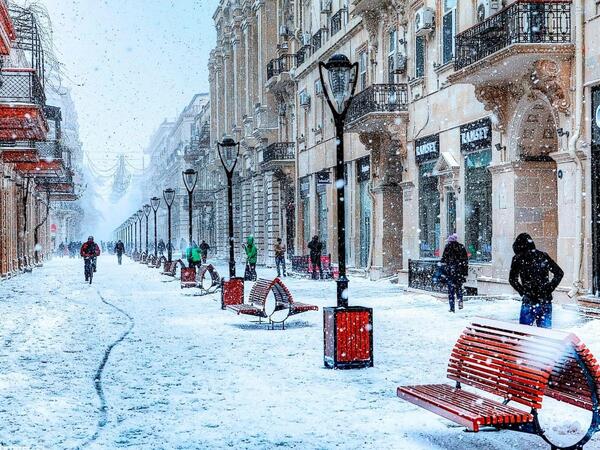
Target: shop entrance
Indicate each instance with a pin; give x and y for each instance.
(596, 189)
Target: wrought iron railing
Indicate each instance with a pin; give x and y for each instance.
(280, 65)
(49, 150)
(21, 86)
(303, 54)
(520, 23)
(318, 39)
(279, 151)
(336, 21)
(378, 98)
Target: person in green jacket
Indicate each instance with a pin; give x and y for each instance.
(251, 257)
(193, 255)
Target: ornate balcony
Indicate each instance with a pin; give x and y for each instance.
(18, 152)
(507, 44)
(278, 72)
(318, 39)
(50, 161)
(22, 100)
(59, 188)
(335, 23)
(303, 54)
(278, 154)
(378, 106)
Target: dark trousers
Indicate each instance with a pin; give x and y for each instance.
(316, 262)
(455, 290)
(119, 257)
(251, 272)
(280, 263)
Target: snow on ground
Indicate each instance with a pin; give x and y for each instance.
(181, 373)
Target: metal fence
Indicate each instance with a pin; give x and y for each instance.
(520, 23)
(378, 98)
(21, 87)
(279, 151)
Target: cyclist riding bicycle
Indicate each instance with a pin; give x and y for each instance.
(89, 251)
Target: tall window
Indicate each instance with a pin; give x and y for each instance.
(391, 59)
(322, 214)
(448, 30)
(478, 205)
(420, 56)
(429, 212)
(362, 70)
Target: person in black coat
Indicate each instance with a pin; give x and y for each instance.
(119, 250)
(455, 266)
(530, 277)
(316, 248)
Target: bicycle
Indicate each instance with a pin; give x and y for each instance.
(89, 264)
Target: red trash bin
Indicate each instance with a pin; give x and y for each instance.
(232, 291)
(348, 336)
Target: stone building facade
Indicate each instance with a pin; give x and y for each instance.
(478, 118)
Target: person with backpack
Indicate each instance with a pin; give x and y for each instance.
(192, 254)
(161, 247)
(280, 257)
(251, 258)
(530, 271)
(316, 248)
(455, 268)
(119, 250)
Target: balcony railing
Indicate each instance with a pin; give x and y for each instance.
(280, 65)
(520, 23)
(318, 39)
(378, 98)
(336, 21)
(279, 151)
(21, 86)
(303, 54)
(49, 150)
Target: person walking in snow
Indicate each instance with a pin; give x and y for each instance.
(251, 258)
(530, 276)
(204, 248)
(455, 268)
(316, 248)
(119, 250)
(192, 254)
(280, 257)
(161, 247)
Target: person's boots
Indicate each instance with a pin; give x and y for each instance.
(460, 304)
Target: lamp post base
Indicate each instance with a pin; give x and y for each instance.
(348, 337)
(232, 291)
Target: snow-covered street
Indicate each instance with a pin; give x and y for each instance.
(173, 370)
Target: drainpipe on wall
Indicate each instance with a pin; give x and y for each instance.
(579, 205)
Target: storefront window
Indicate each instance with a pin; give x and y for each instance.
(363, 177)
(451, 213)
(322, 211)
(478, 205)
(306, 220)
(429, 212)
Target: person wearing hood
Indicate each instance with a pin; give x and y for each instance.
(192, 254)
(251, 258)
(455, 266)
(530, 277)
(316, 249)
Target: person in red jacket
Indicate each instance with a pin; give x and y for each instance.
(90, 250)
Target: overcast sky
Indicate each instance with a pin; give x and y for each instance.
(134, 63)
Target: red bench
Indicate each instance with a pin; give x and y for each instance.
(208, 279)
(519, 364)
(276, 308)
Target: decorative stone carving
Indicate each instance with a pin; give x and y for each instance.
(553, 80)
(387, 152)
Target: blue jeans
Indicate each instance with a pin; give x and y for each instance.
(539, 314)
(280, 262)
(455, 290)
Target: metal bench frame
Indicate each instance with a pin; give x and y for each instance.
(569, 374)
(284, 301)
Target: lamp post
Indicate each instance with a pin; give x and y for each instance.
(169, 196)
(341, 349)
(155, 203)
(232, 290)
(147, 209)
(190, 178)
(229, 151)
(134, 223)
(140, 216)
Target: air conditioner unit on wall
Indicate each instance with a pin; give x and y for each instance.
(485, 8)
(424, 21)
(306, 38)
(325, 6)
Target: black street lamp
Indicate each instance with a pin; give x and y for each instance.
(229, 151)
(345, 346)
(147, 209)
(139, 217)
(155, 203)
(190, 178)
(169, 196)
(134, 223)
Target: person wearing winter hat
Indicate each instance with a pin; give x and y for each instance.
(455, 267)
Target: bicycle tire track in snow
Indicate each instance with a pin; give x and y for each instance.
(99, 372)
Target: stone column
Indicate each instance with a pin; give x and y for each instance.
(258, 216)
